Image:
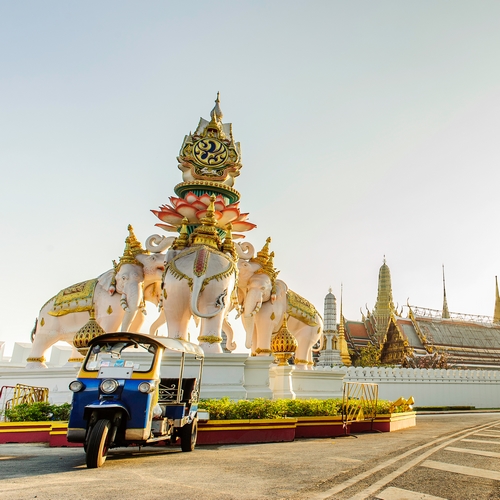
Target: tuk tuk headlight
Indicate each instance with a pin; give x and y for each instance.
(76, 386)
(145, 387)
(109, 385)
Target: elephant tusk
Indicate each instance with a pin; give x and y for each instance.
(123, 303)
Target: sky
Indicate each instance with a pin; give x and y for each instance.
(368, 129)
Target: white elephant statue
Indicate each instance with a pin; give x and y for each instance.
(117, 298)
(265, 301)
(200, 280)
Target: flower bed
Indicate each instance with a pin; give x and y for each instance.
(238, 422)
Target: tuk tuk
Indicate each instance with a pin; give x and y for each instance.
(120, 399)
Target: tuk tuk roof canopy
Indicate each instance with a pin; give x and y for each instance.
(178, 345)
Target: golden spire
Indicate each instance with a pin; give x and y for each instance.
(496, 315)
(182, 240)
(268, 268)
(446, 313)
(343, 347)
(206, 233)
(263, 255)
(216, 120)
(135, 245)
(228, 245)
(384, 306)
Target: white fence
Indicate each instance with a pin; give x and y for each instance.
(433, 387)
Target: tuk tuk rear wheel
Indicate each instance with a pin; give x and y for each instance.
(97, 447)
(188, 434)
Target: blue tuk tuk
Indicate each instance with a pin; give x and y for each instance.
(120, 399)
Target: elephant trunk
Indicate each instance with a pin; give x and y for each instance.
(161, 320)
(251, 306)
(156, 243)
(228, 330)
(195, 295)
(130, 301)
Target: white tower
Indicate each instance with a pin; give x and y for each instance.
(330, 353)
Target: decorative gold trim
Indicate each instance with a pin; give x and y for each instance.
(209, 339)
(42, 321)
(41, 359)
(265, 351)
(217, 186)
(301, 361)
(75, 360)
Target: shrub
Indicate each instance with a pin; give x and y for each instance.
(225, 409)
(36, 412)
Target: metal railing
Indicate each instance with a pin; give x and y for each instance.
(12, 396)
(359, 403)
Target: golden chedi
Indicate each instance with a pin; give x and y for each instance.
(283, 344)
(87, 332)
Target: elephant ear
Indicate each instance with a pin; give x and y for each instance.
(107, 281)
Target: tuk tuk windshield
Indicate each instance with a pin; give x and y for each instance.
(121, 354)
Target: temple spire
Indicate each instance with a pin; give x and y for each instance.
(445, 313)
(384, 306)
(496, 315)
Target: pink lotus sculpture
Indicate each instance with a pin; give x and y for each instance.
(194, 208)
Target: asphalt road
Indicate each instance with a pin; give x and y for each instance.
(454, 457)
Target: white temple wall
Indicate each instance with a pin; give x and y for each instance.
(433, 387)
(239, 376)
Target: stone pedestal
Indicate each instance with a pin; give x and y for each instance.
(257, 377)
(280, 381)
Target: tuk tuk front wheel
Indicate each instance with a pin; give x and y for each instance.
(97, 447)
(188, 434)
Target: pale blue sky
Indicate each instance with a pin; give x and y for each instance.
(368, 128)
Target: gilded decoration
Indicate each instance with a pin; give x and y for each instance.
(87, 332)
(301, 309)
(75, 298)
(202, 263)
(41, 359)
(211, 153)
(209, 339)
(283, 344)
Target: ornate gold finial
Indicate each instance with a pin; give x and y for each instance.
(214, 128)
(269, 269)
(496, 314)
(263, 255)
(182, 240)
(283, 344)
(206, 233)
(217, 112)
(445, 312)
(228, 245)
(135, 244)
(87, 332)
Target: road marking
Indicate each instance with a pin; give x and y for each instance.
(488, 441)
(390, 477)
(462, 469)
(399, 494)
(481, 453)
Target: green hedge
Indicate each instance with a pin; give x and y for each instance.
(37, 412)
(225, 409)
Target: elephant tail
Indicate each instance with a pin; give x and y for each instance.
(33, 332)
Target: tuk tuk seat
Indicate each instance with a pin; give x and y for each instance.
(169, 389)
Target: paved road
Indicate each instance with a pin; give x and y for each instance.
(453, 457)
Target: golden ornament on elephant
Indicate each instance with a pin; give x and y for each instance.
(87, 332)
(283, 344)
